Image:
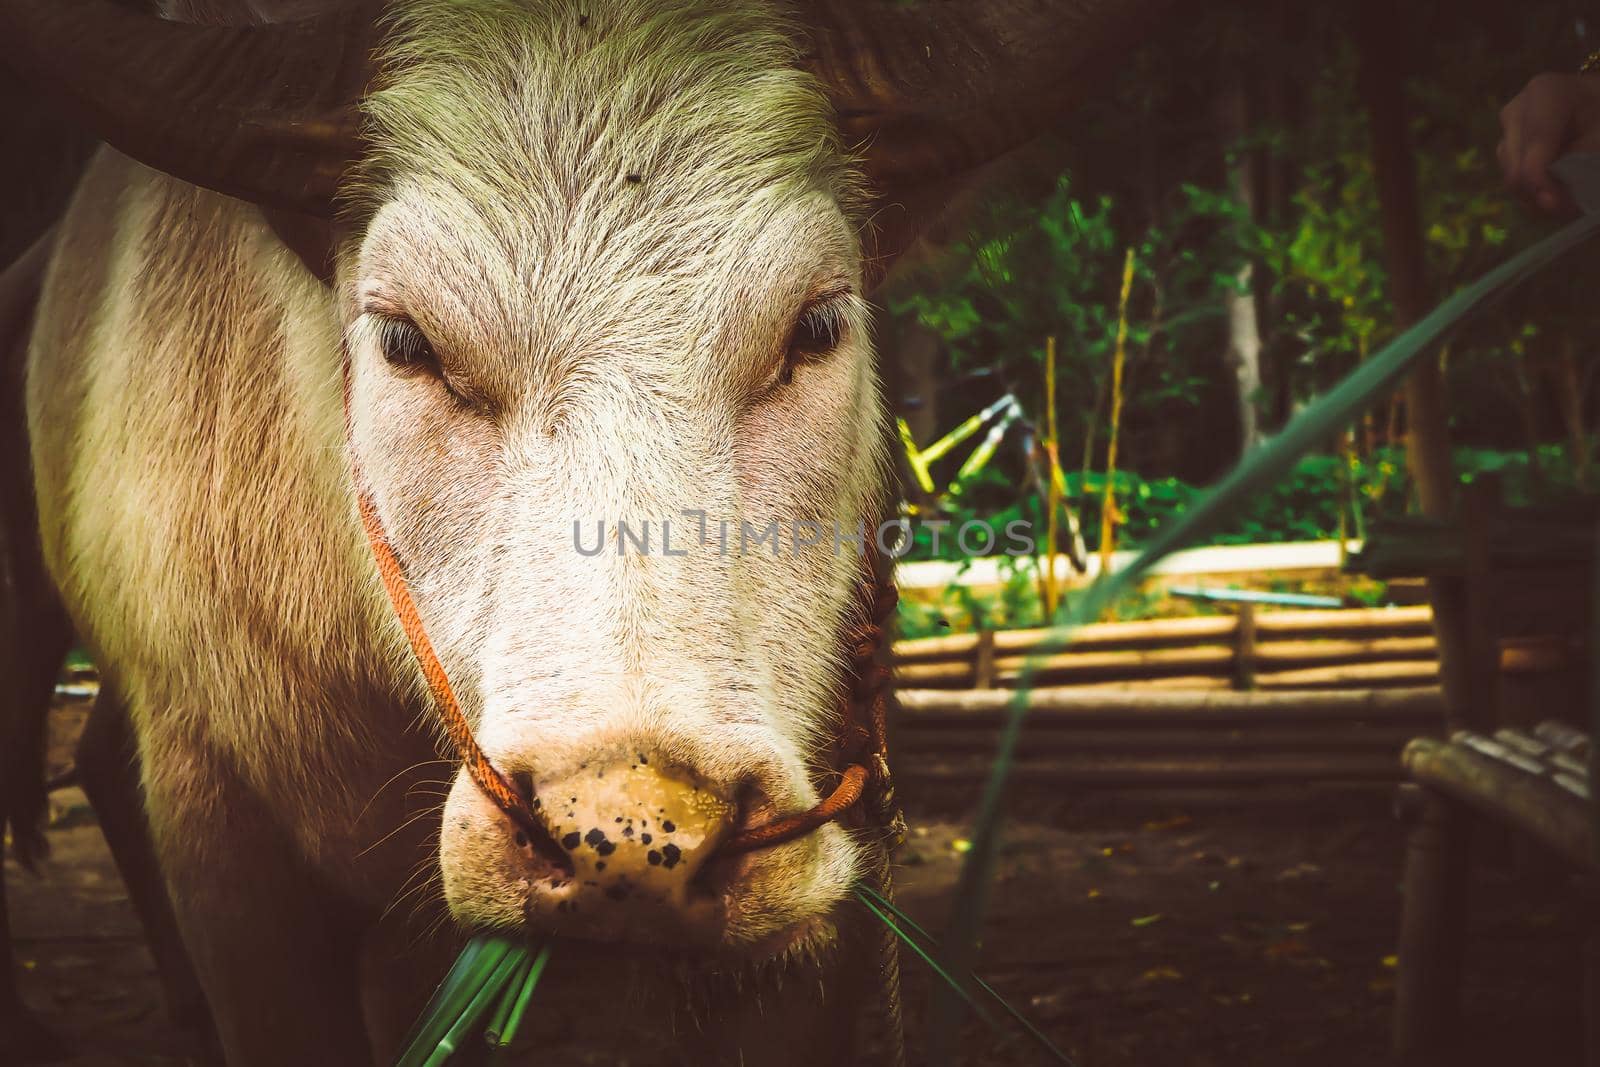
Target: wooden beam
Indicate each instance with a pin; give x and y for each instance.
(1149, 774)
(1156, 633)
(966, 707)
(1388, 676)
(1507, 795)
(1385, 741)
(1244, 648)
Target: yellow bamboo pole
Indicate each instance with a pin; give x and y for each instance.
(1108, 503)
(1052, 492)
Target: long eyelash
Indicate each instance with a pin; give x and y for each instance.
(824, 322)
(403, 344)
(405, 340)
(819, 330)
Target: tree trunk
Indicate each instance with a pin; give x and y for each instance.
(1283, 109)
(1428, 1004)
(1381, 46)
(1243, 354)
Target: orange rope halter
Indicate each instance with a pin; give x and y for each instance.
(490, 780)
(866, 735)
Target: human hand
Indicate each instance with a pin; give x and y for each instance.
(1556, 114)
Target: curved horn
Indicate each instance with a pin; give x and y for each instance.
(936, 88)
(264, 113)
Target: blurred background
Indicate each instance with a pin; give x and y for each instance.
(1232, 164)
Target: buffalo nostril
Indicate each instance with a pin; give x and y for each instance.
(753, 806)
(522, 782)
(545, 847)
(532, 833)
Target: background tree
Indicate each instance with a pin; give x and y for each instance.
(1246, 181)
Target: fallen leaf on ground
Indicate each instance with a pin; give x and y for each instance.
(1288, 948)
(1299, 870)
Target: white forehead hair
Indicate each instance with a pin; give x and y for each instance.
(548, 106)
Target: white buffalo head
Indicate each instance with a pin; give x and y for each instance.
(602, 269)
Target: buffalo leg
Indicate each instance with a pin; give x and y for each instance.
(19, 1030)
(33, 640)
(1432, 933)
(276, 951)
(108, 768)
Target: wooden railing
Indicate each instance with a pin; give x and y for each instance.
(1075, 737)
(1250, 649)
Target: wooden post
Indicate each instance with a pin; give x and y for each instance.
(1594, 703)
(1589, 909)
(983, 660)
(1244, 648)
(12, 1011)
(1433, 926)
(1474, 706)
(1427, 1005)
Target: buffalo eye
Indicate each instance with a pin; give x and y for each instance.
(408, 351)
(817, 331)
(405, 347)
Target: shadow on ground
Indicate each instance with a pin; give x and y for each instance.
(1189, 931)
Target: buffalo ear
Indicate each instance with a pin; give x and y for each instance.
(930, 91)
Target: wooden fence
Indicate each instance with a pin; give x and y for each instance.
(1253, 698)
(1250, 649)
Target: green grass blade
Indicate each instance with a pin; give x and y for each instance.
(458, 970)
(466, 976)
(476, 1008)
(1265, 465)
(520, 1008)
(508, 997)
(1011, 1010)
(938, 968)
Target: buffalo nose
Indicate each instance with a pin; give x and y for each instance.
(636, 834)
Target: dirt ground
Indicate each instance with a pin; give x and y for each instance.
(1253, 928)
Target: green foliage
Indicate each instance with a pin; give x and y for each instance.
(1029, 269)
(1326, 257)
(1149, 166)
(1308, 504)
